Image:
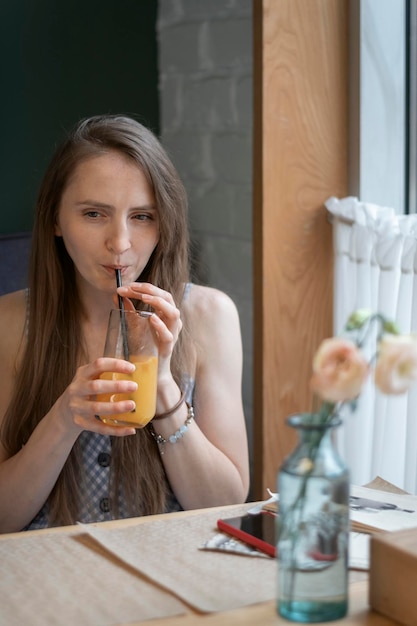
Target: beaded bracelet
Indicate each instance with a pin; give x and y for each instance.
(171, 411)
(179, 434)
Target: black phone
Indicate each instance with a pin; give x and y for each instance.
(258, 530)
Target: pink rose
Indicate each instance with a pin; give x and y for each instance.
(396, 367)
(339, 370)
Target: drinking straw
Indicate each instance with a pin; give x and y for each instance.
(122, 317)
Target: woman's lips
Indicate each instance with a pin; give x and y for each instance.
(110, 269)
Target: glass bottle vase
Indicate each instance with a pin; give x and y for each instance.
(313, 526)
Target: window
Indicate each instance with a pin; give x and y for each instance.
(378, 102)
(412, 105)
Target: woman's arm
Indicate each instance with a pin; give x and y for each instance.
(27, 477)
(209, 465)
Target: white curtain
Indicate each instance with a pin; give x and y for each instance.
(376, 267)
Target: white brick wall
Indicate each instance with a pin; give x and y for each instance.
(205, 82)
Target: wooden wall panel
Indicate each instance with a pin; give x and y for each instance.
(300, 159)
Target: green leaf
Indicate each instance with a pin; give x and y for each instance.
(390, 327)
(358, 318)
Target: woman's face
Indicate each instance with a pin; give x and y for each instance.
(108, 220)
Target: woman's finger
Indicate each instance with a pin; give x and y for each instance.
(94, 424)
(144, 290)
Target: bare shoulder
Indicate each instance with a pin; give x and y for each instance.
(13, 308)
(204, 304)
(212, 319)
(12, 327)
(12, 337)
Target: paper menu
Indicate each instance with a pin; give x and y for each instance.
(372, 510)
(376, 510)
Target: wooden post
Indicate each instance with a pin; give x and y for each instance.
(300, 159)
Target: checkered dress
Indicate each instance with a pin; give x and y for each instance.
(95, 461)
(95, 487)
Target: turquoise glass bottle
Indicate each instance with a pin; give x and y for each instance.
(313, 527)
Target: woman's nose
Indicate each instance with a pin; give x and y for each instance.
(118, 240)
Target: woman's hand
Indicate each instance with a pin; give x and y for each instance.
(79, 406)
(166, 320)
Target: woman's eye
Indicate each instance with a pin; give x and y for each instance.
(92, 214)
(142, 217)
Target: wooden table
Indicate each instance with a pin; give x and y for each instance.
(263, 614)
(266, 615)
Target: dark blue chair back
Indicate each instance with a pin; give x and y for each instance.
(14, 261)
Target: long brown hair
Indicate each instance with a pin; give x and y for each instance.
(54, 333)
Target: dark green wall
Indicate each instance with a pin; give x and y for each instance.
(61, 61)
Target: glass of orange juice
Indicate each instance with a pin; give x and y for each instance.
(130, 336)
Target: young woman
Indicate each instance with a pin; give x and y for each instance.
(112, 200)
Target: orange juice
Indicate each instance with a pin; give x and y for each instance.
(145, 375)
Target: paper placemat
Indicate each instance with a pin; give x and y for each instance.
(54, 579)
(167, 551)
